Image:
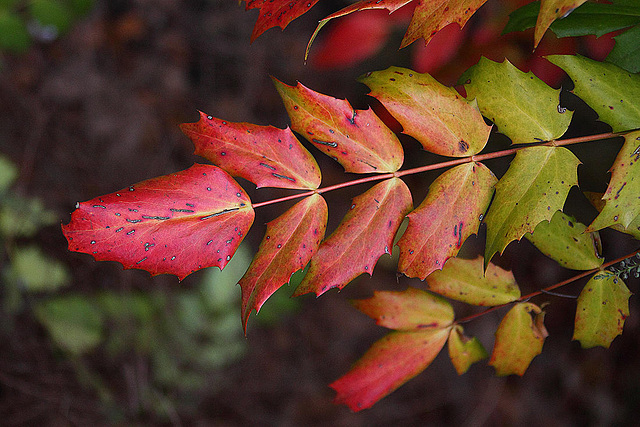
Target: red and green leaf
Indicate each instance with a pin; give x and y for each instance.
(288, 245)
(277, 13)
(357, 139)
(364, 234)
(174, 224)
(436, 115)
(451, 212)
(550, 10)
(264, 155)
(464, 351)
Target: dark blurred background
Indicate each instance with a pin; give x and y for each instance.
(91, 96)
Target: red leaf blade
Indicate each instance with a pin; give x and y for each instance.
(174, 224)
(277, 13)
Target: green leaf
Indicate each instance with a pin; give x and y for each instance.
(465, 280)
(518, 339)
(611, 91)
(622, 197)
(634, 227)
(51, 13)
(8, 172)
(36, 271)
(408, 310)
(550, 10)
(564, 240)
(14, 36)
(522, 106)
(626, 52)
(451, 212)
(603, 306)
(436, 115)
(464, 351)
(534, 187)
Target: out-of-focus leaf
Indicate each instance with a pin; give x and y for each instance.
(408, 310)
(622, 204)
(634, 227)
(522, 106)
(174, 224)
(36, 271)
(8, 172)
(14, 36)
(264, 155)
(389, 363)
(603, 306)
(52, 13)
(288, 245)
(611, 91)
(534, 187)
(436, 115)
(277, 13)
(518, 339)
(464, 351)
(22, 217)
(465, 280)
(357, 139)
(451, 212)
(550, 10)
(365, 233)
(564, 240)
(626, 52)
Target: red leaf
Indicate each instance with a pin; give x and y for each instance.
(389, 363)
(277, 13)
(264, 155)
(365, 233)
(451, 212)
(290, 241)
(174, 224)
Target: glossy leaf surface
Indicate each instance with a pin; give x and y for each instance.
(365, 233)
(288, 245)
(465, 280)
(357, 139)
(174, 224)
(518, 339)
(451, 212)
(463, 350)
(522, 106)
(277, 13)
(550, 10)
(436, 115)
(534, 187)
(264, 155)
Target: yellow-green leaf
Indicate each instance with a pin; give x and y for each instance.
(550, 10)
(463, 350)
(603, 306)
(522, 106)
(633, 229)
(564, 240)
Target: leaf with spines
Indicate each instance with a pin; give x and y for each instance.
(451, 212)
(436, 115)
(522, 106)
(465, 280)
(365, 233)
(603, 306)
(174, 224)
(622, 198)
(550, 10)
(264, 155)
(634, 227)
(277, 13)
(518, 339)
(611, 91)
(288, 245)
(464, 351)
(534, 187)
(564, 240)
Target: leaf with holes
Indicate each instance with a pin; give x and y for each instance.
(389, 363)
(436, 115)
(264, 155)
(464, 351)
(365, 233)
(550, 10)
(408, 310)
(622, 198)
(465, 280)
(534, 187)
(451, 212)
(288, 245)
(174, 224)
(277, 13)
(522, 106)
(357, 139)
(634, 227)
(518, 339)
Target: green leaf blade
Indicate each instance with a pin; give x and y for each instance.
(464, 351)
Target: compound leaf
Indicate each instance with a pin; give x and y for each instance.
(522, 106)
(603, 306)
(436, 115)
(550, 10)
(174, 224)
(451, 212)
(277, 13)
(364, 234)
(408, 310)
(518, 339)
(464, 351)
(534, 187)
(288, 245)
(264, 155)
